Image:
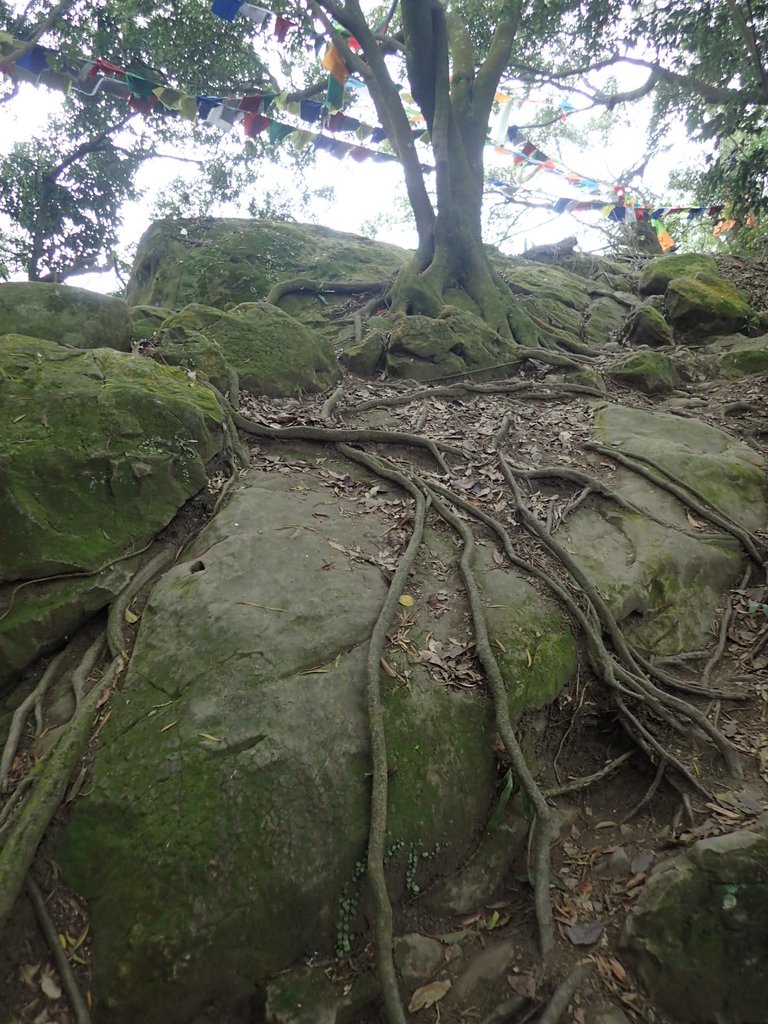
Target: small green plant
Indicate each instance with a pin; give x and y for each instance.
(347, 909)
(756, 606)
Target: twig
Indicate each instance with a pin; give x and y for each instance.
(589, 780)
(76, 1001)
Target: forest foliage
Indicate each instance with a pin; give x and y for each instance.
(61, 193)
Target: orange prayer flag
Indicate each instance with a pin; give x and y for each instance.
(334, 63)
(665, 241)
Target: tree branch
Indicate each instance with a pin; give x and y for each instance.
(39, 31)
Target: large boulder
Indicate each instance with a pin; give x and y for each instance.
(662, 578)
(98, 451)
(223, 835)
(737, 356)
(707, 306)
(70, 316)
(271, 352)
(650, 372)
(426, 348)
(646, 326)
(228, 261)
(657, 275)
(699, 932)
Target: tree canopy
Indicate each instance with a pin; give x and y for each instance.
(62, 194)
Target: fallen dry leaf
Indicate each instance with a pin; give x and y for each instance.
(428, 995)
(406, 601)
(49, 984)
(584, 934)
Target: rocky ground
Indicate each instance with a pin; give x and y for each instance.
(215, 827)
(612, 830)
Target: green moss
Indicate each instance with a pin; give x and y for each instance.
(271, 352)
(649, 372)
(548, 284)
(746, 360)
(97, 452)
(67, 315)
(708, 304)
(657, 275)
(225, 262)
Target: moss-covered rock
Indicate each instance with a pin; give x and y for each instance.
(147, 321)
(664, 583)
(192, 350)
(727, 472)
(271, 352)
(738, 356)
(306, 995)
(647, 371)
(226, 262)
(604, 318)
(366, 358)
(423, 348)
(548, 284)
(707, 306)
(647, 326)
(69, 316)
(699, 931)
(236, 757)
(657, 275)
(98, 450)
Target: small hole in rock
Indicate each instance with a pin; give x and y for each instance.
(197, 566)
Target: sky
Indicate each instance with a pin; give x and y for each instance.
(370, 198)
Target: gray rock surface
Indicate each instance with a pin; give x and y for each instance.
(699, 932)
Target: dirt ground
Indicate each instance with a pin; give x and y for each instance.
(612, 832)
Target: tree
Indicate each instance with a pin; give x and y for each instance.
(62, 193)
(454, 79)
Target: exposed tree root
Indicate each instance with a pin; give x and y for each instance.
(75, 574)
(332, 435)
(575, 785)
(630, 675)
(51, 778)
(542, 822)
(307, 284)
(597, 486)
(563, 994)
(69, 984)
(688, 496)
(331, 402)
(379, 766)
(115, 637)
(522, 390)
(20, 716)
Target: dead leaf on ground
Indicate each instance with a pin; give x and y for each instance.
(49, 985)
(584, 934)
(27, 973)
(428, 995)
(523, 985)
